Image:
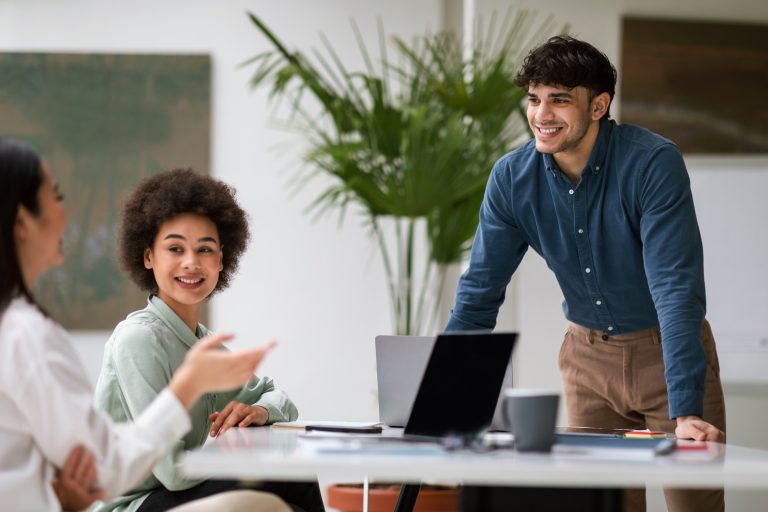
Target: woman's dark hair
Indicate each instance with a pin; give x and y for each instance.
(21, 176)
(569, 62)
(165, 195)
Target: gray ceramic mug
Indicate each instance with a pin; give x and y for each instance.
(531, 415)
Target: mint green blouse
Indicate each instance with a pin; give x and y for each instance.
(140, 358)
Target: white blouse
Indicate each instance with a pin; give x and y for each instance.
(46, 408)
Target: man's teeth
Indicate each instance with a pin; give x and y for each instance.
(548, 131)
(189, 281)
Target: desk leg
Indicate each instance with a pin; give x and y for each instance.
(407, 499)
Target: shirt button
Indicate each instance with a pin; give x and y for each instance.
(587, 270)
(570, 191)
(581, 231)
(610, 327)
(598, 302)
(597, 167)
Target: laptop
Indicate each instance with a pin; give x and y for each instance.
(400, 364)
(423, 381)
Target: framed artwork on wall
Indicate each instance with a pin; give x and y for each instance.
(103, 122)
(699, 83)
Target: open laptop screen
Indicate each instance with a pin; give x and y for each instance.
(461, 384)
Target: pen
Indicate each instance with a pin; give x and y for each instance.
(373, 429)
(664, 447)
(590, 434)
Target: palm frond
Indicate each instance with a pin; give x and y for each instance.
(411, 139)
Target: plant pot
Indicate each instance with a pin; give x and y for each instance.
(382, 497)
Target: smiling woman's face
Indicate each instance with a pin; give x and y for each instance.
(186, 259)
(38, 237)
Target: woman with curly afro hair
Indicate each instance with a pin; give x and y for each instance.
(180, 239)
(172, 194)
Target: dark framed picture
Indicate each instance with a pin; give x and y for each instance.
(699, 83)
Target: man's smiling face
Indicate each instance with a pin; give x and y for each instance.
(559, 117)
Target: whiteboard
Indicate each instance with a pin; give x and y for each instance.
(731, 197)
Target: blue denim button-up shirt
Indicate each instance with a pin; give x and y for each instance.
(624, 245)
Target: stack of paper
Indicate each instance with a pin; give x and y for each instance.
(612, 447)
(645, 434)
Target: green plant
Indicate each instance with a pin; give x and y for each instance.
(412, 143)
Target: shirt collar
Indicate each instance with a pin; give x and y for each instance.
(164, 312)
(596, 160)
(599, 152)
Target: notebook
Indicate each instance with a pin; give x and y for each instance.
(460, 385)
(400, 365)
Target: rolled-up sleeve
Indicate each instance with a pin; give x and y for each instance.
(262, 392)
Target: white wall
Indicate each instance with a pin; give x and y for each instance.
(316, 288)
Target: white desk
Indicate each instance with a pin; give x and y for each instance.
(263, 453)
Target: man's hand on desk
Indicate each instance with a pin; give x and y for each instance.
(237, 413)
(693, 427)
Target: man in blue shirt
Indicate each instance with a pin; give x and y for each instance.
(609, 208)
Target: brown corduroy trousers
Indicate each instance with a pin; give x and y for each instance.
(619, 382)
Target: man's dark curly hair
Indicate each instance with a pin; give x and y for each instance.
(569, 62)
(165, 195)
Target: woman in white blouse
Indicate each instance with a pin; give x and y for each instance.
(45, 399)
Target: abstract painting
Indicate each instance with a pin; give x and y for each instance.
(699, 83)
(102, 122)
